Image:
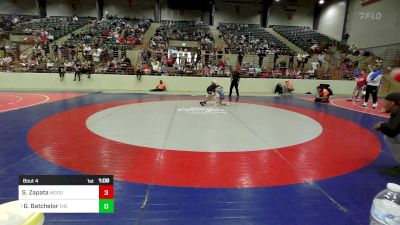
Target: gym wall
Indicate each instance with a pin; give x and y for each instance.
(65, 8)
(377, 31)
(133, 9)
(302, 16)
(332, 18)
(20, 7)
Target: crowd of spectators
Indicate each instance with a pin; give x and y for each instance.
(111, 32)
(184, 61)
(163, 58)
(50, 28)
(41, 34)
(7, 22)
(184, 31)
(102, 49)
(250, 39)
(97, 47)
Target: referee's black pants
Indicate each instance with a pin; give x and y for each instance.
(236, 85)
(373, 90)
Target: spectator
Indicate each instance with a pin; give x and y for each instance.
(276, 56)
(69, 66)
(322, 94)
(378, 63)
(299, 60)
(86, 50)
(314, 48)
(78, 71)
(146, 69)
(15, 20)
(49, 65)
(360, 87)
(321, 58)
(87, 67)
(33, 62)
(127, 61)
(96, 57)
(305, 59)
(352, 48)
(288, 87)
(50, 37)
(240, 56)
(278, 89)
(155, 66)
(6, 62)
(261, 54)
(291, 59)
(61, 71)
(23, 57)
(160, 87)
(164, 70)
(139, 74)
(373, 83)
(314, 66)
(345, 38)
(391, 130)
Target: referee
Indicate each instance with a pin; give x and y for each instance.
(234, 83)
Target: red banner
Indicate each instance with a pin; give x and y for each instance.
(237, 9)
(74, 4)
(367, 2)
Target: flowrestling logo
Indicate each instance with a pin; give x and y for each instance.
(203, 110)
(370, 15)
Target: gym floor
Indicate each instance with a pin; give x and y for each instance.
(258, 160)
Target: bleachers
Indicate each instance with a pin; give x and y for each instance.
(7, 22)
(250, 38)
(183, 31)
(302, 36)
(58, 26)
(118, 33)
(183, 25)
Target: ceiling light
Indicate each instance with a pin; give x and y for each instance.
(321, 2)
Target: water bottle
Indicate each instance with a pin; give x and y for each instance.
(386, 206)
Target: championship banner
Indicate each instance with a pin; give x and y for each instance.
(367, 2)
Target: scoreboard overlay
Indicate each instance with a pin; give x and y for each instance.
(66, 193)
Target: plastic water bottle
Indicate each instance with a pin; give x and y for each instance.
(386, 206)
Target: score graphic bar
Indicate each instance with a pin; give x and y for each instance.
(66, 193)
